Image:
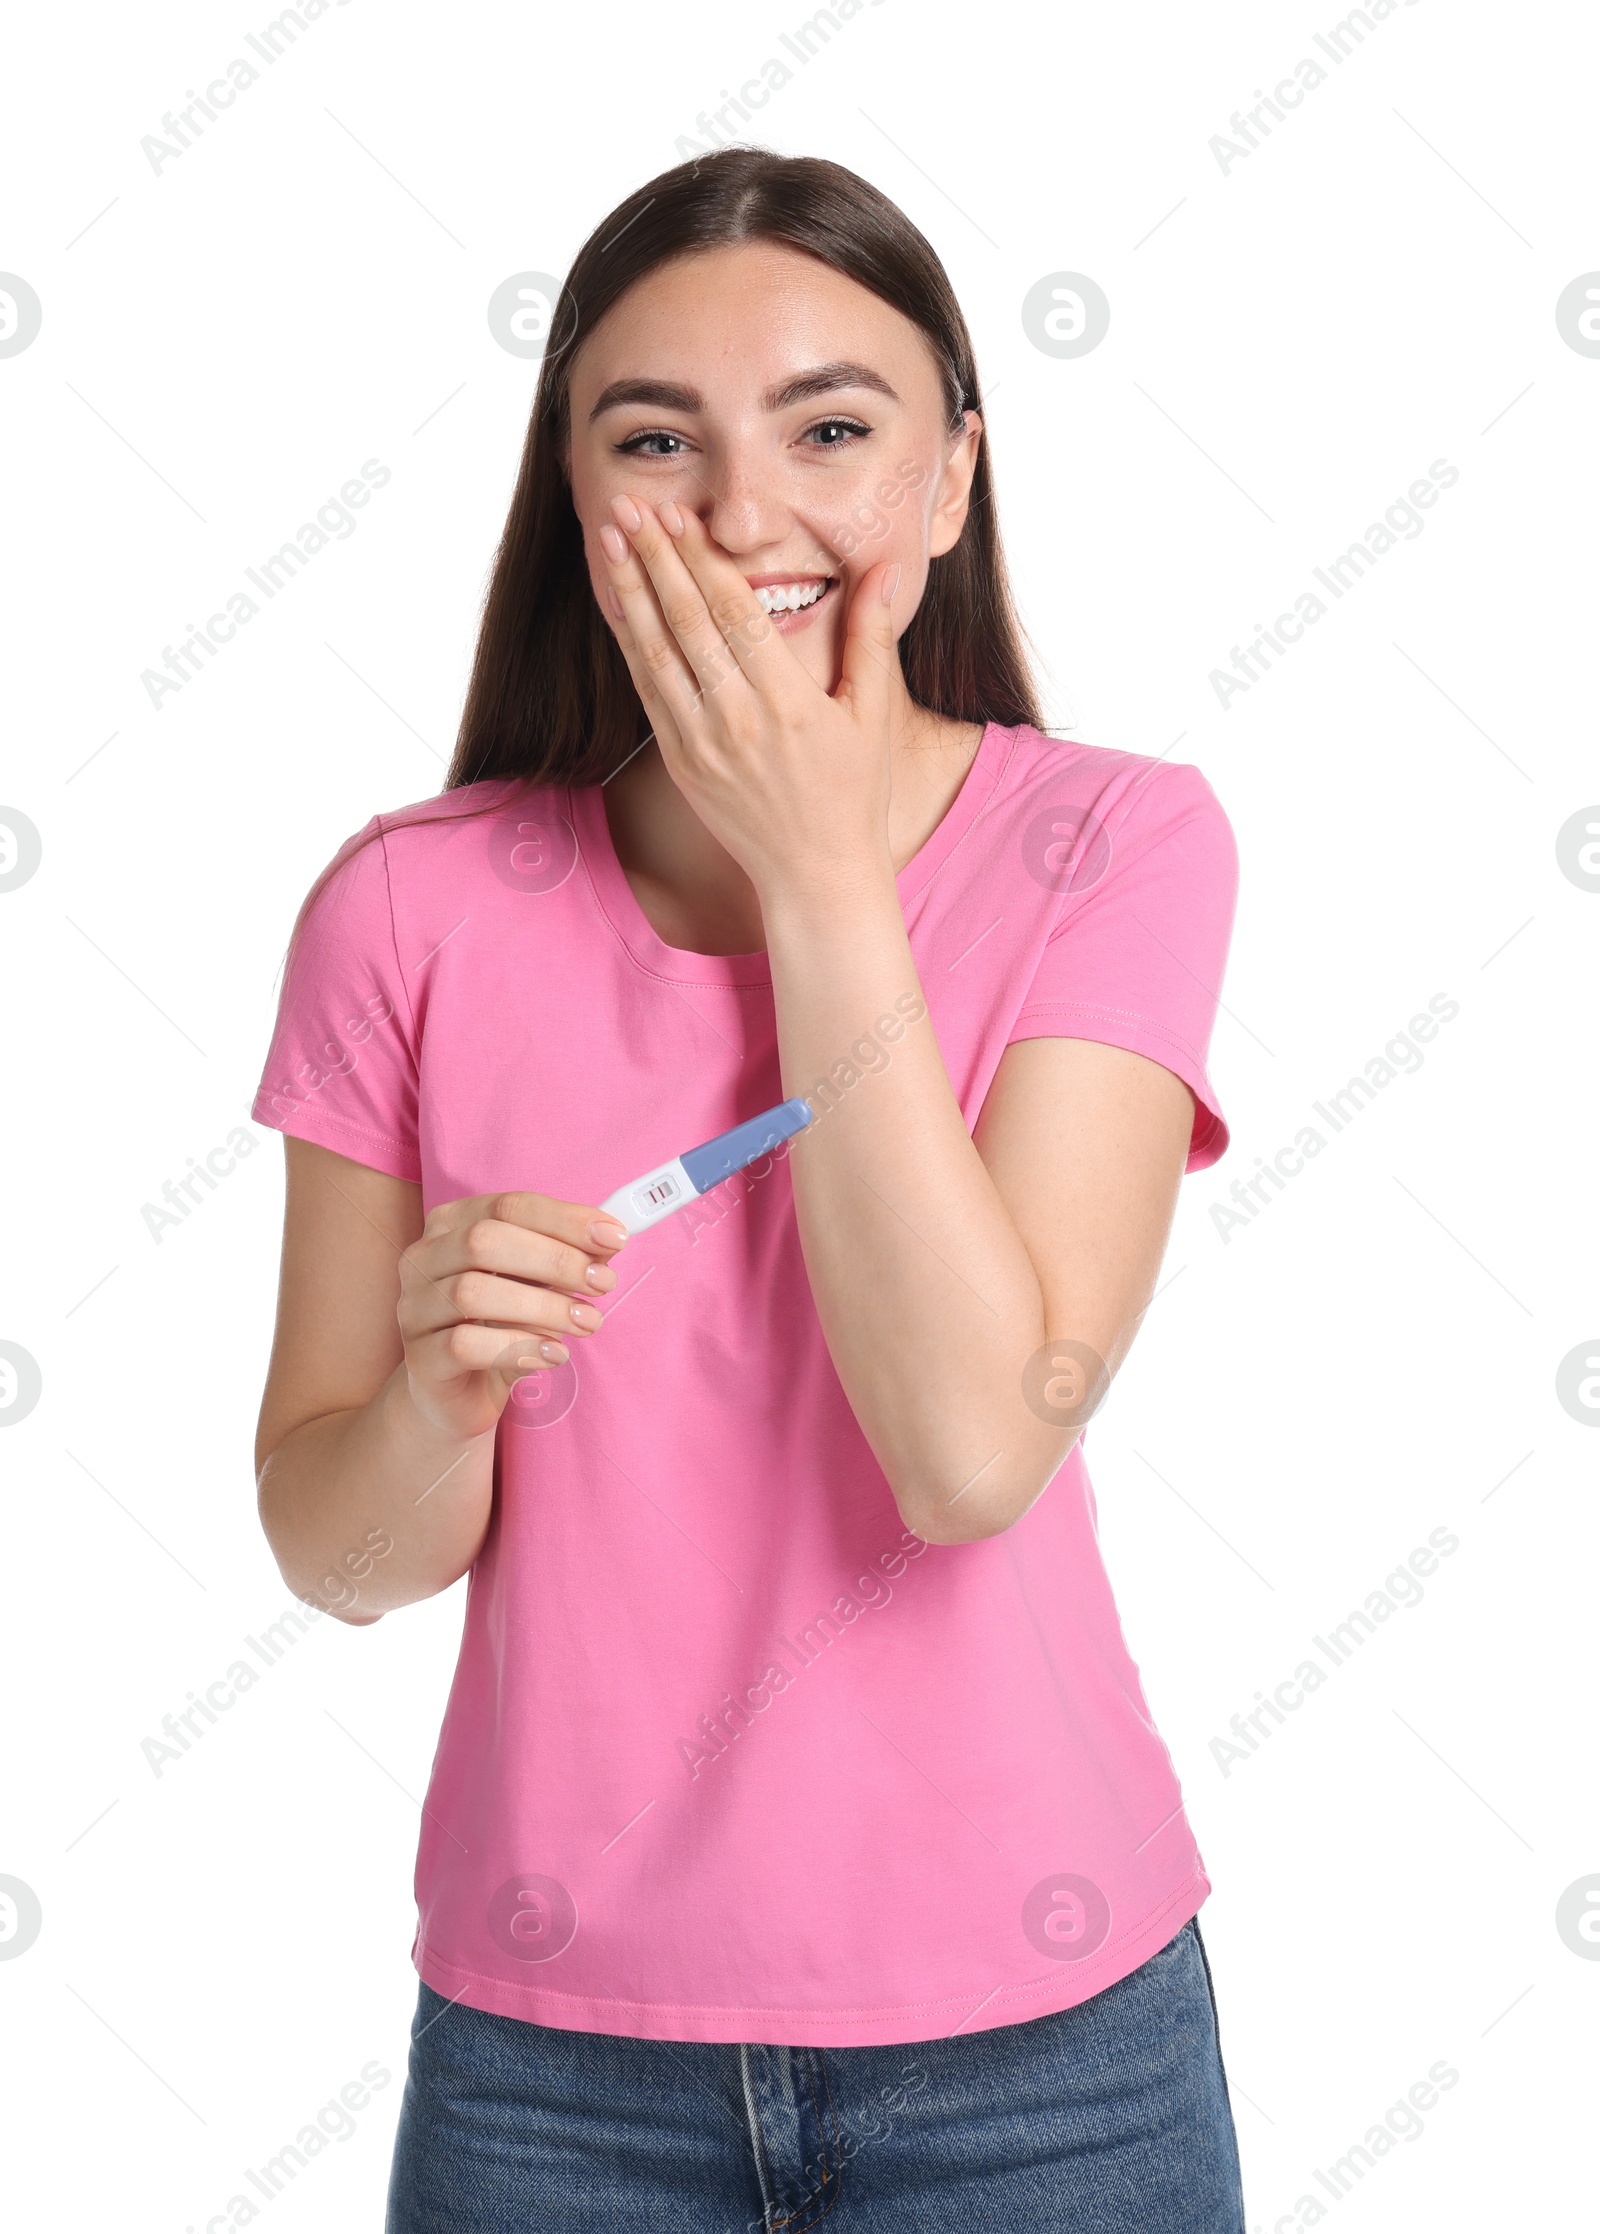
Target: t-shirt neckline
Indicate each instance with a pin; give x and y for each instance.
(620, 906)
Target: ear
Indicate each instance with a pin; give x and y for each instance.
(955, 492)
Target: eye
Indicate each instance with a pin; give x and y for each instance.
(835, 434)
(641, 445)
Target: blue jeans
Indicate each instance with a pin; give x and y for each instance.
(1110, 2118)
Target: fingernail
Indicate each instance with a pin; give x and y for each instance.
(584, 1315)
(671, 518)
(552, 1352)
(614, 543)
(628, 513)
(600, 1276)
(605, 1233)
(891, 582)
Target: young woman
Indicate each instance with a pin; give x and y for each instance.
(798, 1840)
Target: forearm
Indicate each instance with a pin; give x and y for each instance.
(928, 1298)
(374, 1508)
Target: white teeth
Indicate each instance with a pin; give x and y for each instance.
(789, 597)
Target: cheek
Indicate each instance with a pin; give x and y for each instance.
(879, 519)
(591, 492)
(875, 517)
(593, 511)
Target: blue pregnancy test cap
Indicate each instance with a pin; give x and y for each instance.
(715, 1160)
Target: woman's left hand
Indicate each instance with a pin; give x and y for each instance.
(793, 782)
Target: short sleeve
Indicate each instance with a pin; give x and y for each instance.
(342, 1066)
(1136, 959)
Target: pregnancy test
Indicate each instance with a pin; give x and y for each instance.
(643, 1202)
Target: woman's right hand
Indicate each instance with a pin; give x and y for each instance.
(496, 1287)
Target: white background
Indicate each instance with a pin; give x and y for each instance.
(1374, 1356)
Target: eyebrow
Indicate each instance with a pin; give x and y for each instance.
(821, 380)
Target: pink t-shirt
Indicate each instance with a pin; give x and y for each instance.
(729, 1754)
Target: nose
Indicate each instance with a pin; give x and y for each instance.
(745, 507)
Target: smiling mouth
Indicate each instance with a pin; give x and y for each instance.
(793, 596)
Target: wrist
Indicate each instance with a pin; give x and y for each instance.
(409, 1410)
(828, 895)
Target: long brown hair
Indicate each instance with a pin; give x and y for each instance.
(550, 698)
